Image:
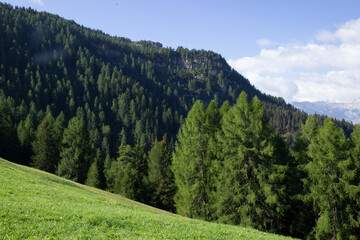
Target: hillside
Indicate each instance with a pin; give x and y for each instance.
(168, 128)
(38, 205)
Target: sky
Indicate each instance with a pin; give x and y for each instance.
(301, 50)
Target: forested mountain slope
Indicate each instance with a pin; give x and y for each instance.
(124, 91)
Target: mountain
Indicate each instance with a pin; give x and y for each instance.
(123, 91)
(348, 111)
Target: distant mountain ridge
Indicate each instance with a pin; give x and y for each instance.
(347, 111)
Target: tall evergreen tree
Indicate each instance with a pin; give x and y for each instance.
(189, 165)
(95, 176)
(26, 134)
(76, 152)
(9, 143)
(59, 126)
(127, 174)
(301, 214)
(251, 185)
(327, 185)
(352, 177)
(213, 118)
(160, 176)
(45, 146)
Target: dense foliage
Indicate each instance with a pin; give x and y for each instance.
(91, 108)
(244, 174)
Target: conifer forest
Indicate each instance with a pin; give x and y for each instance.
(177, 129)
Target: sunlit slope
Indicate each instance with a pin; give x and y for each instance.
(38, 205)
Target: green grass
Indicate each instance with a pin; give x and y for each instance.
(38, 205)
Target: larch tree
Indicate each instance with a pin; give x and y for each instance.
(9, 143)
(352, 177)
(188, 166)
(76, 152)
(160, 176)
(26, 134)
(95, 176)
(251, 185)
(327, 190)
(301, 213)
(45, 146)
(127, 174)
(212, 164)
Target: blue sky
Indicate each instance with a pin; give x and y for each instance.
(287, 48)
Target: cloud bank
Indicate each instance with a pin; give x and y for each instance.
(324, 69)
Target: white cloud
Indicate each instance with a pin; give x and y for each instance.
(40, 2)
(325, 70)
(265, 43)
(325, 36)
(349, 33)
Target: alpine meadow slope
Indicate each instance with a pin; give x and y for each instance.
(38, 205)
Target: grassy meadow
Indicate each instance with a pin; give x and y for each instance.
(38, 205)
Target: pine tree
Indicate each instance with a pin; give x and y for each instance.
(76, 152)
(160, 176)
(251, 185)
(45, 146)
